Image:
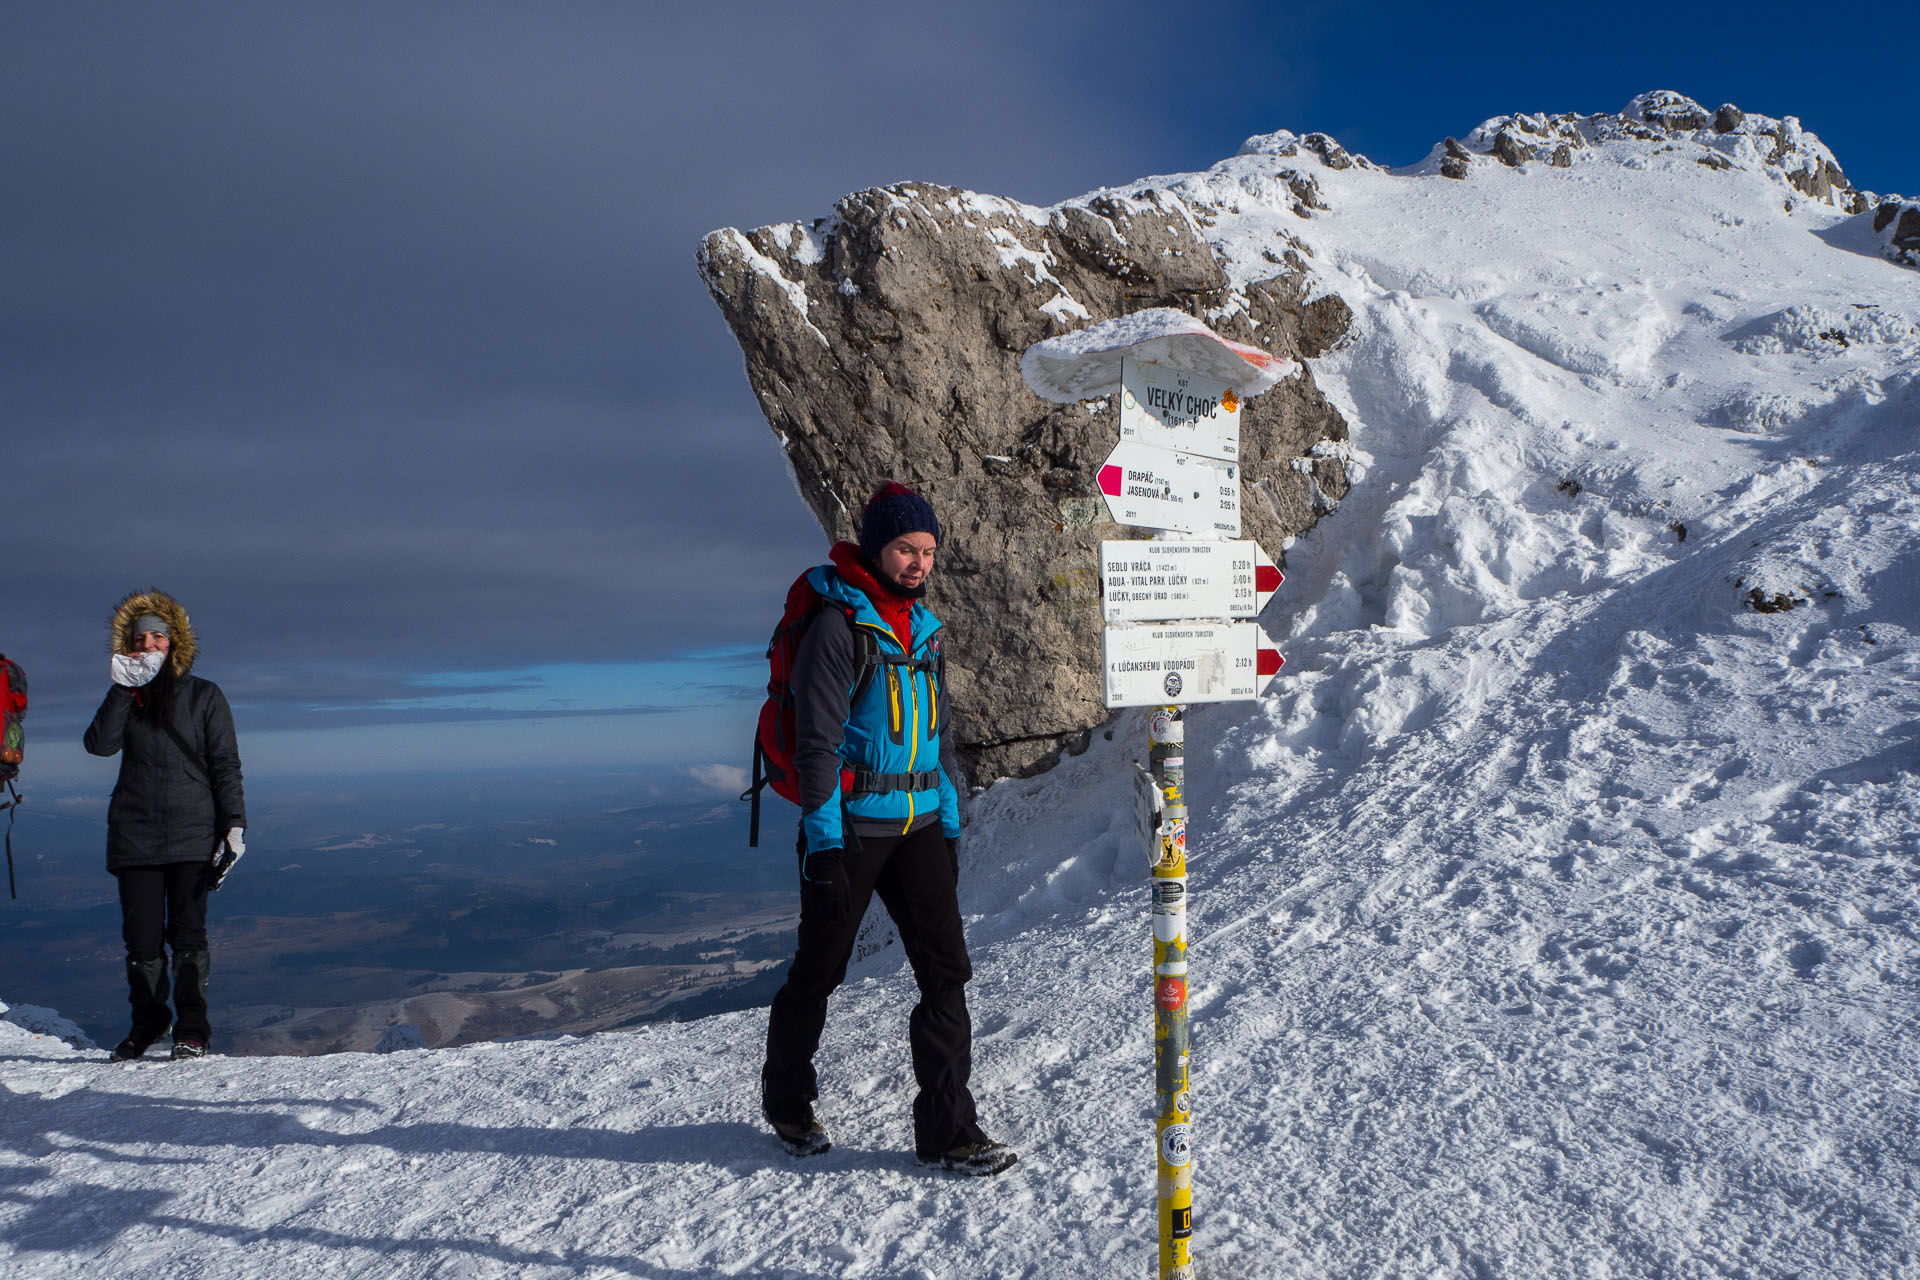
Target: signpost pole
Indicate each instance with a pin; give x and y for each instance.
(1173, 1129)
(1170, 633)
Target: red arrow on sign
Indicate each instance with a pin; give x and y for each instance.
(1267, 578)
(1110, 481)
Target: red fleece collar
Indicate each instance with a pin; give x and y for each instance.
(894, 609)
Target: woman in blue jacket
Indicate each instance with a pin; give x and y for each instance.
(879, 815)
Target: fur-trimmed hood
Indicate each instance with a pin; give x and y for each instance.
(181, 653)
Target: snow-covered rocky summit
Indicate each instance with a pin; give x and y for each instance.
(1720, 139)
(885, 339)
(1728, 138)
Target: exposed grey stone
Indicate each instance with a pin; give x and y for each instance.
(1669, 110)
(1510, 150)
(1306, 193)
(885, 343)
(1906, 232)
(1561, 157)
(1331, 153)
(1886, 213)
(1728, 118)
(1457, 160)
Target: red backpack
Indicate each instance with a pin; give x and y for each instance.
(773, 739)
(13, 744)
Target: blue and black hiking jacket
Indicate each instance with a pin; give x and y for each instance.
(871, 744)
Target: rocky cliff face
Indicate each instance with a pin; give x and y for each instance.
(884, 341)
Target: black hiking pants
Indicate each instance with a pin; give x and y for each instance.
(160, 907)
(914, 878)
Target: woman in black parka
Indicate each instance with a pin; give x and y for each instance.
(175, 809)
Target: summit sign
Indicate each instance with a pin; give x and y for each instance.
(1179, 410)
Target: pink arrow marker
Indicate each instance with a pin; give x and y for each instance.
(1110, 481)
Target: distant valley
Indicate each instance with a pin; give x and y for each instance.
(504, 927)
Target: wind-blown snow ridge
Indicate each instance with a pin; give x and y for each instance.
(1555, 916)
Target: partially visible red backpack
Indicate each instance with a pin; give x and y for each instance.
(773, 739)
(13, 744)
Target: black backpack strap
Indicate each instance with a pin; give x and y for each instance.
(758, 780)
(10, 806)
(865, 783)
(867, 659)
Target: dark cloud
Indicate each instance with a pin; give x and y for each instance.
(372, 331)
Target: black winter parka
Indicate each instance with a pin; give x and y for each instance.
(166, 807)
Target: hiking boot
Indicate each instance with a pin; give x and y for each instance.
(973, 1159)
(134, 1046)
(800, 1138)
(185, 1050)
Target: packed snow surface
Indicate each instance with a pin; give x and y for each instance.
(1555, 915)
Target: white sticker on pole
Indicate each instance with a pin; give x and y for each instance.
(1187, 662)
(1174, 409)
(1155, 581)
(1147, 804)
(1156, 488)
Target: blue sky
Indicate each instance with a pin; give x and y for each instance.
(372, 331)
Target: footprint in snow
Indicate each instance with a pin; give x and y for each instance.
(1807, 956)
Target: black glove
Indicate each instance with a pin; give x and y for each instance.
(953, 856)
(826, 894)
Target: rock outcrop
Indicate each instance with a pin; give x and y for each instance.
(884, 342)
(1898, 223)
(1726, 138)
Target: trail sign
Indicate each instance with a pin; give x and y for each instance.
(1177, 409)
(1187, 662)
(1157, 581)
(1156, 488)
(1177, 468)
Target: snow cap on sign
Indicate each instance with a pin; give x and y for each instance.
(1086, 363)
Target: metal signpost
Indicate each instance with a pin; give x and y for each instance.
(1178, 627)
(1173, 1123)
(1171, 641)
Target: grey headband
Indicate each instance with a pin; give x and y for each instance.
(151, 622)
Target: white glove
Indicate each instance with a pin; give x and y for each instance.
(236, 842)
(136, 669)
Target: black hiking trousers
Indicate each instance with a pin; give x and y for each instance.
(914, 878)
(161, 907)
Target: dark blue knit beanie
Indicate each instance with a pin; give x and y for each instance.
(893, 510)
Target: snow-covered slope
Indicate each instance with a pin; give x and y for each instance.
(1556, 916)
